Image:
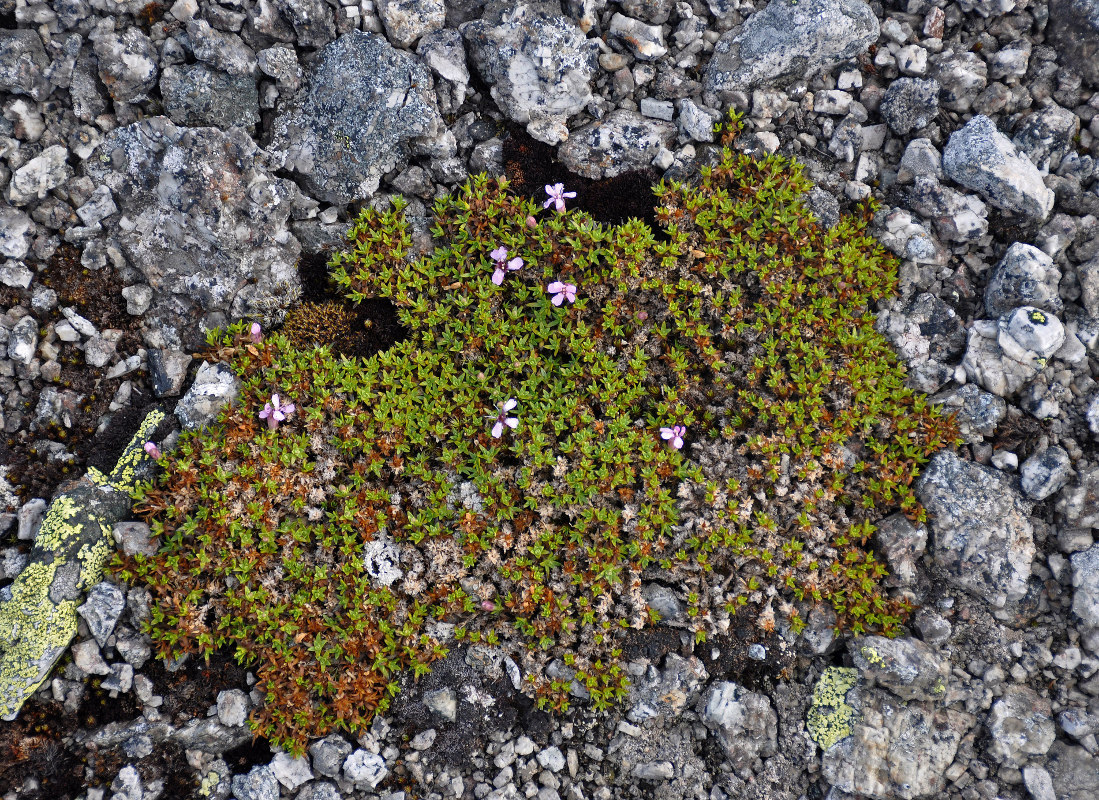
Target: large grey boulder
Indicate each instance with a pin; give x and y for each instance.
(746, 725)
(621, 141)
(787, 41)
(538, 65)
(981, 158)
(1021, 726)
(204, 219)
(980, 526)
(363, 105)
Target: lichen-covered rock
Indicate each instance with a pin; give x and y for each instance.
(206, 222)
(538, 65)
(407, 20)
(981, 158)
(127, 64)
(215, 386)
(620, 142)
(1085, 594)
(1025, 276)
(957, 217)
(980, 526)
(198, 95)
(906, 667)
(1046, 136)
(363, 104)
(1030, 335)
(910, 104)
(1044, 473)
(46, 171)
(38, 620)
(1080, 502)
(787, 41)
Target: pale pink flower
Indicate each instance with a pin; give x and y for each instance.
(503, 419)
(503, 266)
(152, 450)
(257, 333)
(561, 292)
(557, 195)
(488, 605)
(674, 434)
(275, 412)
(531, 222)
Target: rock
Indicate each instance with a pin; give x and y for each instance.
(906, 667)
(87, 656)
(1039, 783)
(1045, 473)
(120, 679)
(666, 692)
(620, 142)
(787, 42)
(233, 705)
(957, 217)
(657, 109)
(990, 366)
(1074, 31)
(23, 340)
(894, 749)
(902, 544)
(1029, 335)
(980, 526)
(363, 105)
(910, 104)
(646, 42)
(23, 63)
(102, 609)
(127, 784)
(696, 122)
(1088, 276)
(538, 65)
(46, 171)
(127, 64)
(134, 537)
(364, 767)
(981, 158)
(99, 350)
(198, 95)
(1025, 276)
(552, 759)
(664, 602)
(407, 20)
(961, 78)
(654, 12)
(225, 52)
(746, 724)
(281, 63)
(1075, 772)
(215, 386)
(259, 784)
(824, 205)
(319, 790)
(381, 559)
(1020, 725)
(1046, 136)
(920, 159)
(442, 702)
(16, 231)
(168, 371)
(905, 237)
(219, 245)
(654, 771)
(1085, 594)
(1080, 502)
(445, 53)
(329, 754)
(291, 772)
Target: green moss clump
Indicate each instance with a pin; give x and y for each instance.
(383, 517)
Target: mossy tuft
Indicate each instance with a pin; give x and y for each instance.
(384, 521)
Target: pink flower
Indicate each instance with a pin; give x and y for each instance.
(557, 195)
(152, 450)
(275, 412)
(257, 333)
(488, 605)
(675, 434)
(503, 419)
(532, 222)
(500, 255)
(562, 292)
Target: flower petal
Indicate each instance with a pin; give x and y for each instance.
(274, 401)
(498, 276)
(512, 422)
(515, 263)
(497, 429)
(555, 287)
(288, 408)
(510, 403)
(557, 299)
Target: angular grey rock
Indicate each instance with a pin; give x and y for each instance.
(198, 95)
(903, 235)
(1021, 726)
(259, 784)
(98, 207)
(127, 64)
(46, 171)
(291, 772)
(406, 21)
(363, 104)
(620, 142)
(215, 386)
(1085, 594)
(697, 122)
(981, 158)
(319, 790)
(538, 65)
(86, 655)
(786, 42)
(206, 222)
(329, 754)
(168, 371)
(311, 23)
(957, 217)
(1030, 334)
(902, 544)
(654, 12)
(905, 666)
(364, 767)
(445, 53)
(1046, 136)
(23, 62)
(990, 366)
(940, 325)
(551, 758)
(1087, 274)
(16, 230)
(910, 104)
(896, 749)
(134, 537)
(664, 602)
(127, 784)
(443, 702)
(920, 159)
(1074, 31)
(1079, 502)
(233, 705)
(23, 340)
(1025, 276)
(980, 526)
(1045, 473)
(654, 771)
(223, 51)
(961, 78)
(746, 725)
(102, 609)
(281, 63)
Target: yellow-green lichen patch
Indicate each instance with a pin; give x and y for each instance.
(872, 657)
(830, 717)
(126, 474)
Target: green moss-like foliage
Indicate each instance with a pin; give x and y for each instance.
(745, 322)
